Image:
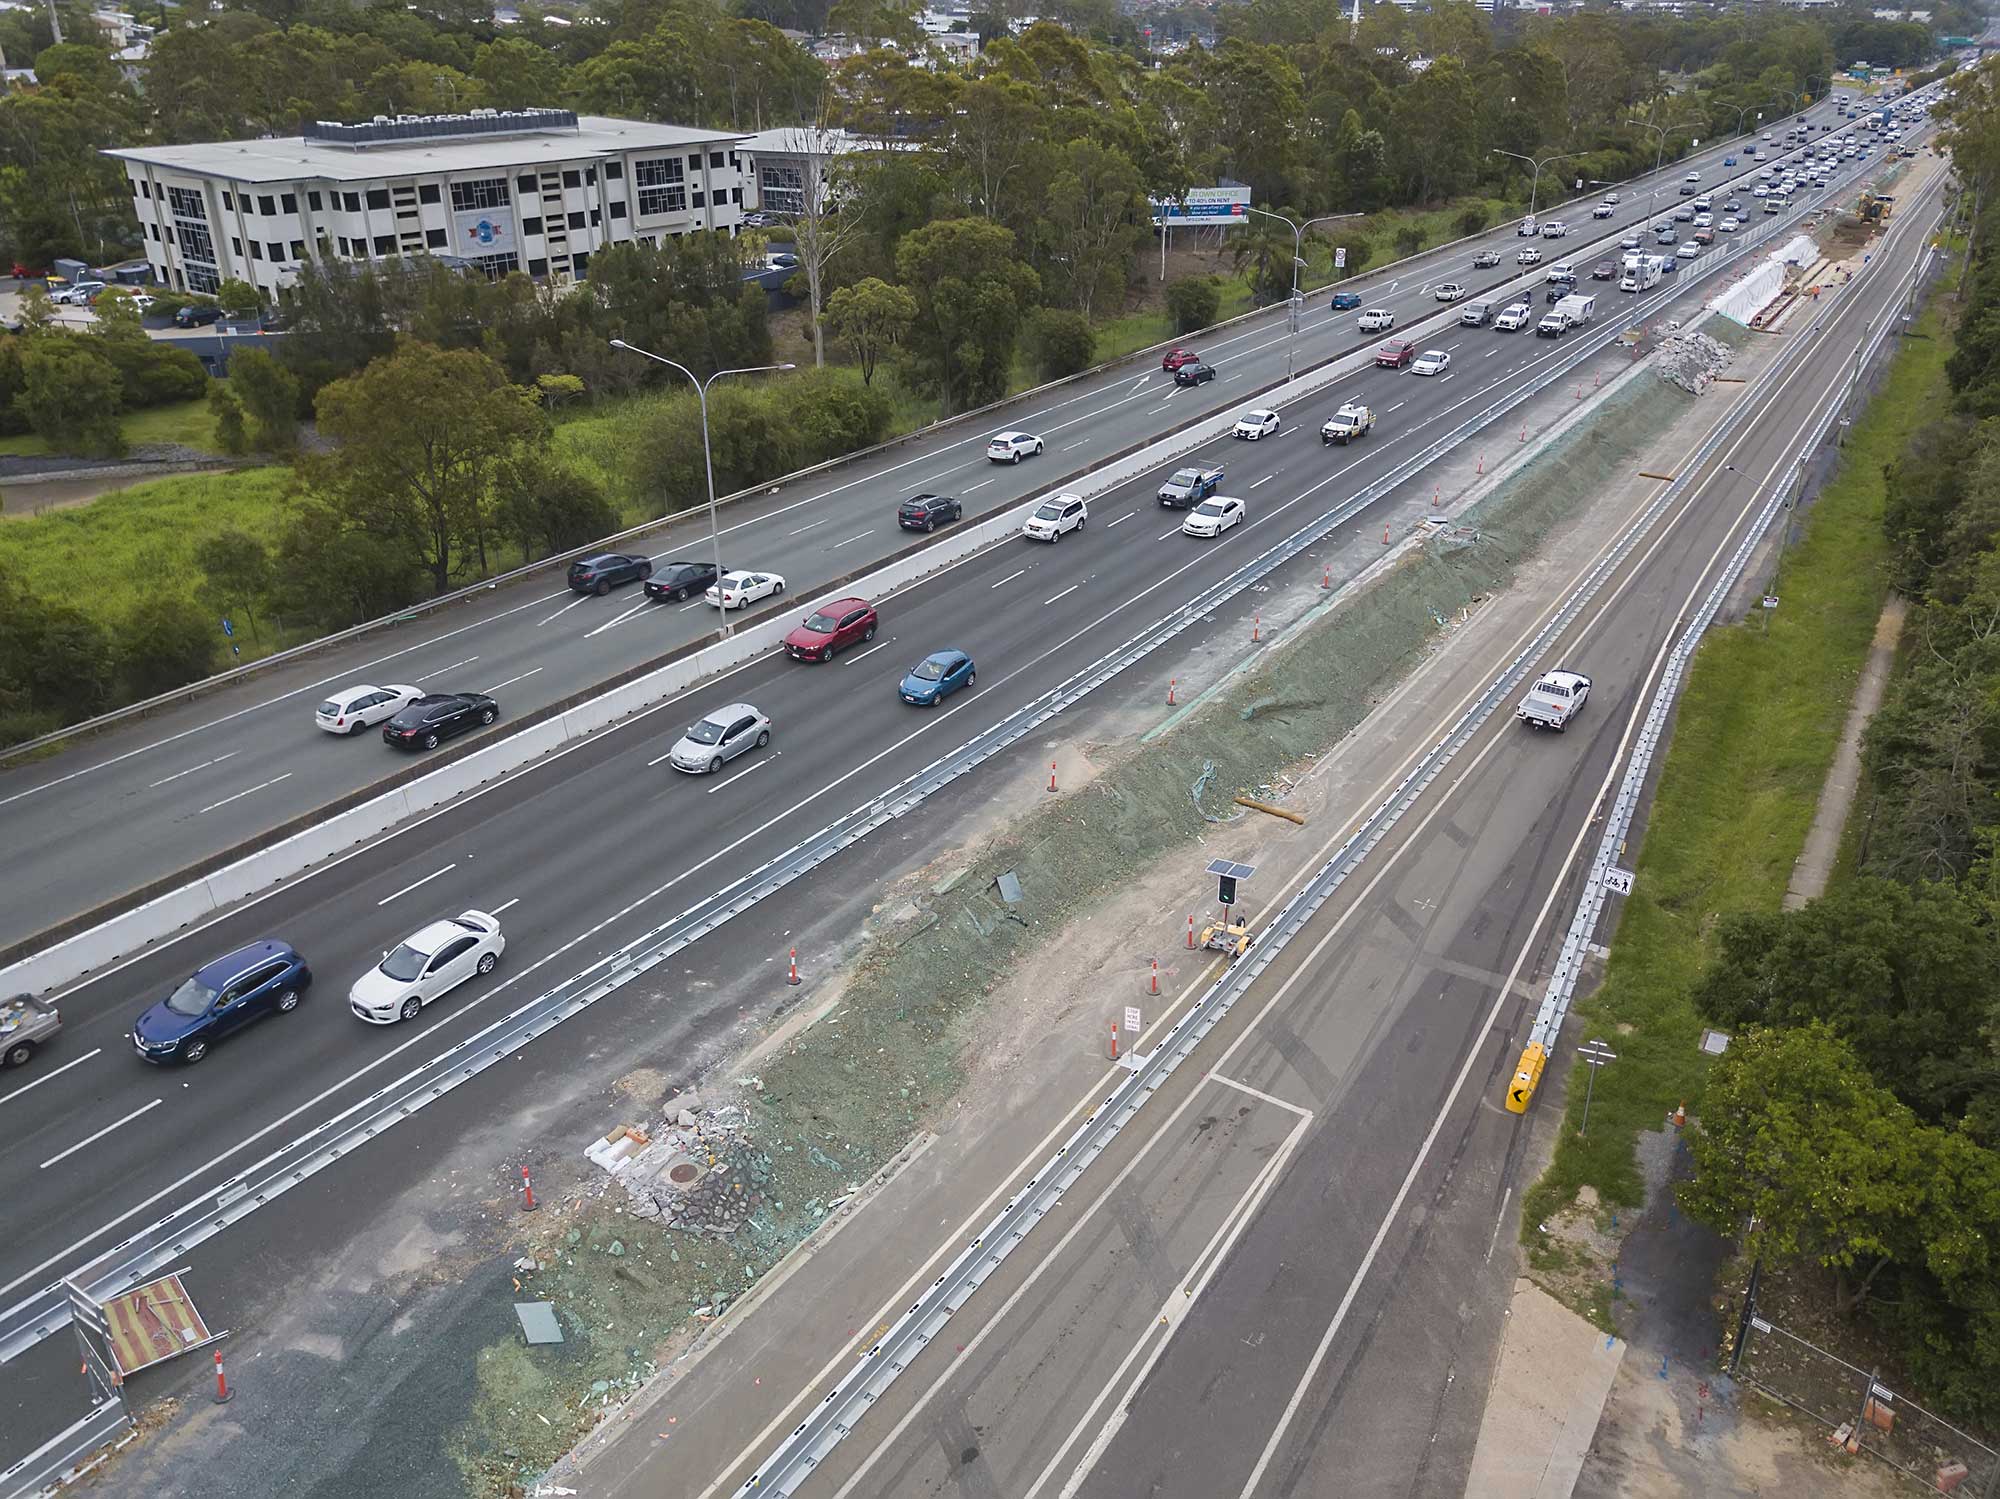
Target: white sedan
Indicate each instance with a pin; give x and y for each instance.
(429, 962)
(1255, 424)
(1012, 447)
(1451, 291)
(1431, 362)
(1213, 517)
(355, 708)
(739, 590)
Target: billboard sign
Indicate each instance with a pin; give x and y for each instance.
(1205, 205)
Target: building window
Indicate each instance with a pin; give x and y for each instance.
(525, 184)
(202, 278)
(576, 221)
(618, 209)
(538, 268)
(291, 202)
(435, 238)
(590, 176)
(531, 226)
(236, 247)
(154, 230)
(427, 192)
(715, 158)
(144, 188)
(378, 197)
(736, 195)
(298, 249)
(277, 249)
(614, 171)
(256, 250)
(345, 248)
(312, 201)
(228, 203)
(495, 266)
(482, 193)
(385, 244)
(267, 206)
(662, 185)
(579, 265)
(694, 162)
(781, 188)
(733, 161)
(572, 179)
(351, 202)
(596, 219)
(700, 200)
(186, 203)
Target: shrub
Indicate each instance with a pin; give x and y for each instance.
(1474, 219)
(1359, 253)
(1061, 343)
(71, 395)
(1409, 239)
(230, 434)
(165, 643)
(239, 296)
(1193, 302)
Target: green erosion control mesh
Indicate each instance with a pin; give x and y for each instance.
(849, 1092)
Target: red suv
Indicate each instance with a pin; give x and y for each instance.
(1173, 359)
(1396, 353)
(838, 623)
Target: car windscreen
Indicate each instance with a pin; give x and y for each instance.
(1211, 508)
(1186, 478)
(192, 998)
(929, 671)
(708, 731)
(405, 963)
(822, 624)
(1049, 512)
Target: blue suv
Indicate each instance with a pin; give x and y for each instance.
(265, 978)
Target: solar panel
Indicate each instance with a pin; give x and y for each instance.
(1230, 870)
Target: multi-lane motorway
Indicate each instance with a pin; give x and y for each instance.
(151, 798)
(1280, 1278)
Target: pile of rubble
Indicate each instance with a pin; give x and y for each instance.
(1690, 360)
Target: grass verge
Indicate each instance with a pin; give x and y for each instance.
(188, 423)
(1753, 738)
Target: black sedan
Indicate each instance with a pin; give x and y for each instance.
(927, 512)
(602, 573)
(1194, 374)
(681, 578)
(438, 716)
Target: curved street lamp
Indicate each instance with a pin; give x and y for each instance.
(1298, 244)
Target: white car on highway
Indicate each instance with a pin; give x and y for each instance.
(1012, 447)
(1529, 257)
(1058, 514)
(1213, 517)
(739, 590)
(1255, 424)
(1554, 700)
(1376, 320)
(1431, 362)
(355, 708)
(430, 962)
(1450, 291)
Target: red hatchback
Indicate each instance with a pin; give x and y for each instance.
(832, 626)
(1396, 353)
(1173, 359)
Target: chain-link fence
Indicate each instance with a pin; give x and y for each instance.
(1874, 1418)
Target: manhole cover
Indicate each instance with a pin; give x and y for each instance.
(682, 1173)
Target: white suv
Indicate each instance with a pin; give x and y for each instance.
(1055, 515)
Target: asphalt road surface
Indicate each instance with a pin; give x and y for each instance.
(151, 798)
(1279, 1278)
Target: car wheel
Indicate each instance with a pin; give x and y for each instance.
(1038, 447)
(193, 1052)
(358, 727)
(826, 653)
(412, 1007)
(1017, 456)
(715, 765)
(603, 587)
(17, 1054)
(1082, 521)
(679, 594)
(971, 678)
(430, 741)
(869, 633)
(763, 738)
(288, 1001)
(486, 716)
(488, 962)
(645, 571)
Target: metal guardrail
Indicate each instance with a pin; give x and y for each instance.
(171, 1237)
(70, 1453)
(425, 608)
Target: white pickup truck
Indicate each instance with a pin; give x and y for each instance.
(1346, 424)
(1553, 701)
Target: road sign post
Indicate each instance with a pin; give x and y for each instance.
(1594, 1054)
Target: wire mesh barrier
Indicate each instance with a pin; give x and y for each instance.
(1865, 1415)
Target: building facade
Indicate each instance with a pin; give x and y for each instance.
(534, 190)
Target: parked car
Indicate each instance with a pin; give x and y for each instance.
(679, 579)
(1342, 300)
(739, 590)
(438, 716)
(1173, 359)
(361, 706)
(197, 315)
(1194, 374)
(1012, 447)
(1255, 424)
(718, 738)
(926, 512)
(605, 571)
(1190, 486)
(831, 627)
(1055, 517)
(1394, 354)
(265, 978)
(1213, 517)
(936, 678)
(1376, 320)
(431, 961)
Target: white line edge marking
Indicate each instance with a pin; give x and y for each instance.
(457, 664)
(504, 905)
(192, 769)
(96, 1051)
(434, 874)
(93, 1139)
(251, 792)
(489, 691)
(1008, 579)
(733, 779)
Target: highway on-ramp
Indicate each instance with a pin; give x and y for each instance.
(148, 799)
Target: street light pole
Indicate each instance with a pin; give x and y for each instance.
(707, 458)
(1298, 247)
(1535, 182)
(1660, 134)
